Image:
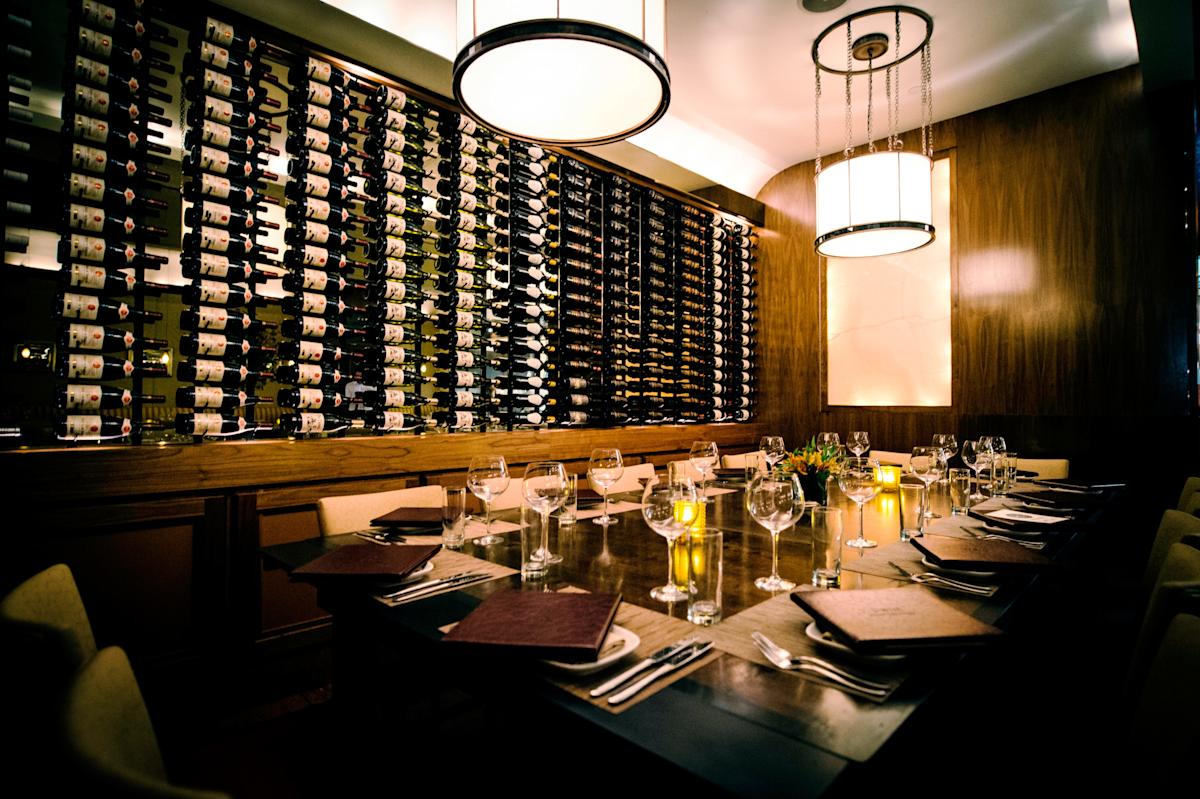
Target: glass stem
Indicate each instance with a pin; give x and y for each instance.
(670, 562)
(605, 515)
(924, 508)
(487, 518)
(774, 555)
(546, 534)
(860, 522)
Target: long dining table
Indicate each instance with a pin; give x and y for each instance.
(750, 728)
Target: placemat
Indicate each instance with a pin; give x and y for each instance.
(613, 507)
(780, 620)
(477, 529)
(876, 563)
(449, 562)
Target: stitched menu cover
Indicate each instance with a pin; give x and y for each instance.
(730, 473)
(888, 620)
(1065, 499)
(977, 554)
(568, 627)
(410, 517)
(368, 561)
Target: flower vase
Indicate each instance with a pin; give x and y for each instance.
(814, 487)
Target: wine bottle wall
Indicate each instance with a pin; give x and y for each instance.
(659, 329)
(18, 41)
(113, 120)
(735, 320)
(622, 371)
(694, 318)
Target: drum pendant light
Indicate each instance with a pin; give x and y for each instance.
(879, 202)
(567, 72)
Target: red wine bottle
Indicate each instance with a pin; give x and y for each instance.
(212, 424)
(79, 247)
(215, 292)
(206, 317)
(306, 423)
(93, 427)
(222, 241)
(95, 220)
(220, 345)
(81, 396)
(215, 397)
(96, 309)
(99, 103)
(126, 82)
(203, 370)
(85, 366)
(309, 374)
(223, 162)
(115, 199)
(98, 162)
(310, 399)
(100, 338)
(106, 47)
(316, 352)
(114, 139)
(227, 36)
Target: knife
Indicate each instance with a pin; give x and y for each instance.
(423, 586)
(432, 588)
(653, 660)
(676, 661)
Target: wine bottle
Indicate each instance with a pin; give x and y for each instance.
(314, 162)
(99, 103)
(227, 36)
(211, 424)
(223, 241)
(306, 423)
(205, 317)
(211, 212)
(391, 398)
(113, 199)
(323, 234)
(213, 292)
(95, 220)
(323, 94)
(389, 376)
(105, 46)
(305, 207)
(236, 88)
(317, 116)
(200, 370)
(227, 137)
(412, 145)
(323, 188)
(197, 266)
(115, 140)
(320, 281)
(126, 83)
(100, 338)
(316, 352)
(85, 306)
(78, 396)
(215, 397)
(310, 399)
(126, 23)
(227, 112)
(98, 161)
(78, 365)
(316, 327)
(223, 162)
(93, 428)
(220, 345)
(322, 71)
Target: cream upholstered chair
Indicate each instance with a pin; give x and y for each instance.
(1192, 506)
(1165, 730)
(1046, 468)
(1173, 526)
(110, 742)
(739, 461)
(1191, 488)
(893, 458)
(48, 607)
(351, 512)
(630, 479)
(1180, 572)
(514, 495)
(686, 467)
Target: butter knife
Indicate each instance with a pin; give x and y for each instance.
(633, 671)
(427, 584)
(678, 660)
(429, 589)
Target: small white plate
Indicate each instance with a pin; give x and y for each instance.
(942, 570)
(814, 632)
(629, 642)
(412, 578)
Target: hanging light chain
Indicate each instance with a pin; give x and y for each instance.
(927, 100)
(847, 150)
(817, 117)
(894, 116)
(870, 102)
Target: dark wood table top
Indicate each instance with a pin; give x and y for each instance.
(813, 731)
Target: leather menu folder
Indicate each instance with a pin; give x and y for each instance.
(567, 626)
(1066, 499)
(888, 620)
(368, 561)
(410, 517)
(974, 554)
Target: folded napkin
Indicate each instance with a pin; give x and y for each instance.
(368, 561)
(564, 626)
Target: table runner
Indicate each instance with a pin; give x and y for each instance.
(621, 506)
(781, 620)
(449, 562)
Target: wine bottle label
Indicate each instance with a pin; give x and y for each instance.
(395, 312)
(316, 231)
(96, 101)
(390, 97)
(393, 162)
(316, 139)
(85, 217)
(312, 326)
(213, 291)
(393, 290)
(396, 268)
(320, 93)
(463, 419)
(317, 210)
(466, 221)
(316, 115)
(83, 306)
(393, 334)
(216, 133)
(207, 424)
(314, 279)
(95, 42)
(310, 350)
(394, 225)
(393, 354)
(309, 374)
(464, 379)
(464, 359)
(219, 32)
(89, 248)
(465, 299)
(718, 402)
(392, 140)
(212, 213)
(394, 182)
(207, 397)
(215, 55)
(214, 160)
(394, 397)
(468, 164)
(579, 399)
(217, 109)
(318, 162)
(211, 344)
(464, 338)
(83, 397)
(312, 303)
(394, 204)
(315, 256)
(394, 120)
(394, 376)
(577, 383)
(464, 280)
(77, 425)
(212, 238)
(468, 184)
(309, 398)
(208, 318)
(214, 265)
(310, 422)
(86, 187)
(466, 241)
(218, 83)
(578, 417)
(90, 367)
(531, 363)
(464, 319)
(316, 186)
(464, 399)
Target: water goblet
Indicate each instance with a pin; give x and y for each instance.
(927, 466)
(859, 479)
(858, 442)
(776, 502)
(605, 467)
(487, 478)
(545, 489)
(773, 450)
(669, 509)
(704, 458)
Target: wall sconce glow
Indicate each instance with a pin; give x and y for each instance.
(563, 72)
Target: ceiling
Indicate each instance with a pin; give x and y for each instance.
(742, 76)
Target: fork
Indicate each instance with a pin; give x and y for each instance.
(937, 580)
(784, 659)
(982, 536)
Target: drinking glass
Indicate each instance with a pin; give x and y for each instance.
(570, 507)
(772, 447)
(859, 480)
(926, 466)
(976, 459)
(487, 477)
(776, 502)
(858, 442)
(545, 488)
(999, 448)
(827, 547)
(704, 458)
(605, 468)
(912, 509)
(669, 509)
(828, 440)
(454, 517)
(705, 565)
(960, 491)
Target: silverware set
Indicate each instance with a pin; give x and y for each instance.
(945, 583)
(784, 659)
(380, 537)
(667, 660)
(433, 586)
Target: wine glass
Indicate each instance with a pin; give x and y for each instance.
(545, 489)
(858, 442)
(704, 458)
(999, 448)
(605, 468)
(776, 502)
(669, 508)
(828, 440)
(487, 477)
(977, 455)
(927, 466)
(948, 443)
(859, 480)
(773, 450)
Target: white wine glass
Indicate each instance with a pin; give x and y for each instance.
(775, 501)
(605, 468)
(773, 450)
(859, 480)
(545, 490)
(487, 478)
(999, 451)
(669, 508)
(926, 465)
(828, 440)
(971, 457)
(858, 442)
(704, 458)
(985, 455)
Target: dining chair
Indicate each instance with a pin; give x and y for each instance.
(1191, 489)
(1165, 730)
(50, 614)
(685, 467)
(110, 744)
(740, 461)
(1192, 506)
(351, 512)
(630, 479)
(1045, 468)
(1173, 526)
(887, 458)
(1179, 574)
(514, 495)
